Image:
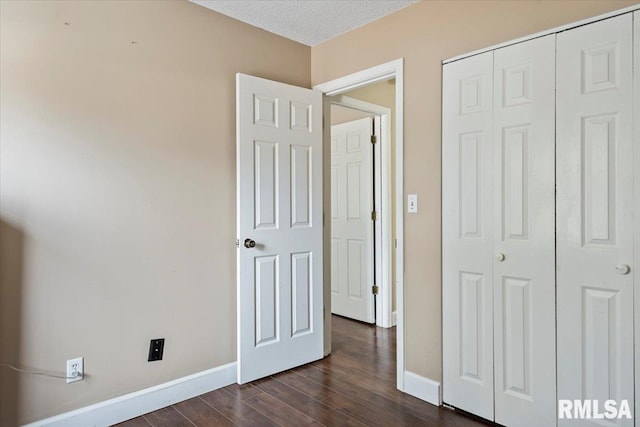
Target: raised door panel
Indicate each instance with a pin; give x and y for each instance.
(301, 192)
(301, 293)
(523, 233)
(467, 235)
(516, 337)
(266, 185)
(469, 168)
(515, 183)
(267, 300)
(595, 214)
(472, 287)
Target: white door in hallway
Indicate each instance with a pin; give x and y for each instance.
(279, 226)
(351, 220)
(595, 214)
(523, 229)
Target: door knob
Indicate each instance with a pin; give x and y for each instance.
(500, 257)
(623, 269)
(248, 243)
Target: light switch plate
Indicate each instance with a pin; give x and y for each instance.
(412, 203)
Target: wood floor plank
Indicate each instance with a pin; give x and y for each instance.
(380, 370)
(232, 406)
(363, 412)
(280, 413)
(244, 391)
(167, 417)
(201, 414)
(135, 422)
(383, 378)
(311, 407)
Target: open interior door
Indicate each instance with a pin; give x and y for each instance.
(279, 219)
(352, 221)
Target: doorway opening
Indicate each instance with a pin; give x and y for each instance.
(388, 226)
(361, 218)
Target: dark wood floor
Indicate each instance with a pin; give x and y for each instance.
(355, 386)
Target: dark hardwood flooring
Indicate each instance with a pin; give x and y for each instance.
(355, 386)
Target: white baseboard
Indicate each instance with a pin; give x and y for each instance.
(422, 388)
(150, 399)
(394, 318)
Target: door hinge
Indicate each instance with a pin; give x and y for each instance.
(374, 216)
(374, 139)
(374, 289)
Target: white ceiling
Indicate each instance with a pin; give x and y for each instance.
(309, 22)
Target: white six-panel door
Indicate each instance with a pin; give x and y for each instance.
(523, 233)
(467, 235)
(595, 214)
(279, 184)
(351, 223)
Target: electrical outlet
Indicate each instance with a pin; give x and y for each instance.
(75, 370)
(156, 348)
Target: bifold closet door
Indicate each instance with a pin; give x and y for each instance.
(594, 151)
(524, 234)
(467, 236)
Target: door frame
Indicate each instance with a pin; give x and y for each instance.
(382, 200)
(387, 71)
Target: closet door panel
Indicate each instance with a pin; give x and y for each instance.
(595, 214)
(467, 235)
(523, 233)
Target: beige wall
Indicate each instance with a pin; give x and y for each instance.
(117, 178)
(118, 192)
(424, 34)
(341, 115)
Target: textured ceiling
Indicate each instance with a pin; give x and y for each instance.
(306, 21)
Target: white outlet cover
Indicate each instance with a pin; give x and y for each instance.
(75, 365)
(412, 203)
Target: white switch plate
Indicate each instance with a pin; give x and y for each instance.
(75, 370)
(412, 203)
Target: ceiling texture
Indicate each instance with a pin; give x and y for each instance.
(309, 22)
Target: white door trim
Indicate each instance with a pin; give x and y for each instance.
(386, 71)
(383, 239)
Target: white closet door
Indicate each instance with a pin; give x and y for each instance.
(595, 214)
(467, 235)
(523, 229)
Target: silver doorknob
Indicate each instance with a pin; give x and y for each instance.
(500, 257)
(248, 243)
(623, 269)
